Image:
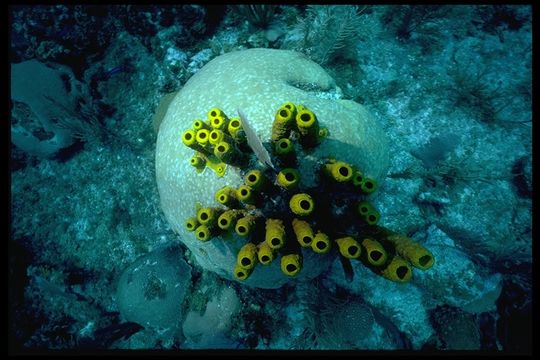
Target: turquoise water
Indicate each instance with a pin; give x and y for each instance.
(95, 264)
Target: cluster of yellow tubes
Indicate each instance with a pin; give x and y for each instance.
(388, 254)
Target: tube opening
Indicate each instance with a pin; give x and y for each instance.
(305, 117)
(289, 176)
(307, 239)
(401, 272)
(245, 261)
(265, 258)
(424, 260)
(275, 241)
(321, 245)
(291, 268)
(375, 255)
(242, 229)
(343, 171)
(223, 222)
(304, 204)
(352, 250)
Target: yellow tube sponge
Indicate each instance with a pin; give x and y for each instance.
(303, 232)
(199, 124)
(357, 179)
(245, 225)
(308, 126)
(412, 251)
(189, 139)
(198, 161)
(226, 196)
(321, 243)
(288, 178)
(302, 204)
(203, 233)
(349, 247)
(227, 152)
(235, 125)
(291, 264)
(240, 273)
(247, 256)
(265, 253)
(227, 219)
(339, 171)
(208, 216)
(375, 253)
(275, 233)
(368, 185)
(283, 121)
(192, 223)
(255, 180)
(203, 136)
(398, 270)
(284, 147)
(368, 212)
(216, 136)
(245, 195)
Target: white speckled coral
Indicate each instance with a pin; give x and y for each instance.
(257, 81)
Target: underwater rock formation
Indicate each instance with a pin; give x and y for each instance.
(257, 81)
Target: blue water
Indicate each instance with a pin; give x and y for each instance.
(94, 264)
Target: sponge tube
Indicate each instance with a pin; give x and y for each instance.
(291, 264)
(398, 270)
(338, 171)
(321, 243)
(303, 232)
(349, 247)
(375, 253)
(275, 233)
(302, 204)
(288, 178)
(240, 273)
(245, 225)
(247, 256)
(265, 253)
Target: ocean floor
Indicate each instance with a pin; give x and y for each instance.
(94, 263)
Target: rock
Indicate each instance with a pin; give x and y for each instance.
(151, 291)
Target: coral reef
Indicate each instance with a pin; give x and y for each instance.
(268, 211)
(263, 80)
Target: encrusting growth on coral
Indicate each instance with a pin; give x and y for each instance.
(333, 217)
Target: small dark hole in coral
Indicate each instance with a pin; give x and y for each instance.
(201, 235)
(291, 268)
(369, 184)
(363, 209)
(304, 204)
(375, 255)
(265, 258)
(284, 113)
(241, 229)
(204, 216)
(288, 106)
(246, 261)
(290, 176)
(202, 135)
(198, 124)
(321, 245)
(424, 260)
(305, 117)
(221, 148)
(187, 136)
(243, 192)
(240, 274)
(216, 121)
(343, 171)
(252, 178)
(402, 271)
(213, 136)
(284, 145)
(307, 239)
(223, 222)
(222, 198)
(353, 250)
(213, 113)
(193, 161)
(275, 241)
(189, 225)
(358, 178)
(235, 123)
(372, 218)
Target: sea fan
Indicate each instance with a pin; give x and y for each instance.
(254, 142)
